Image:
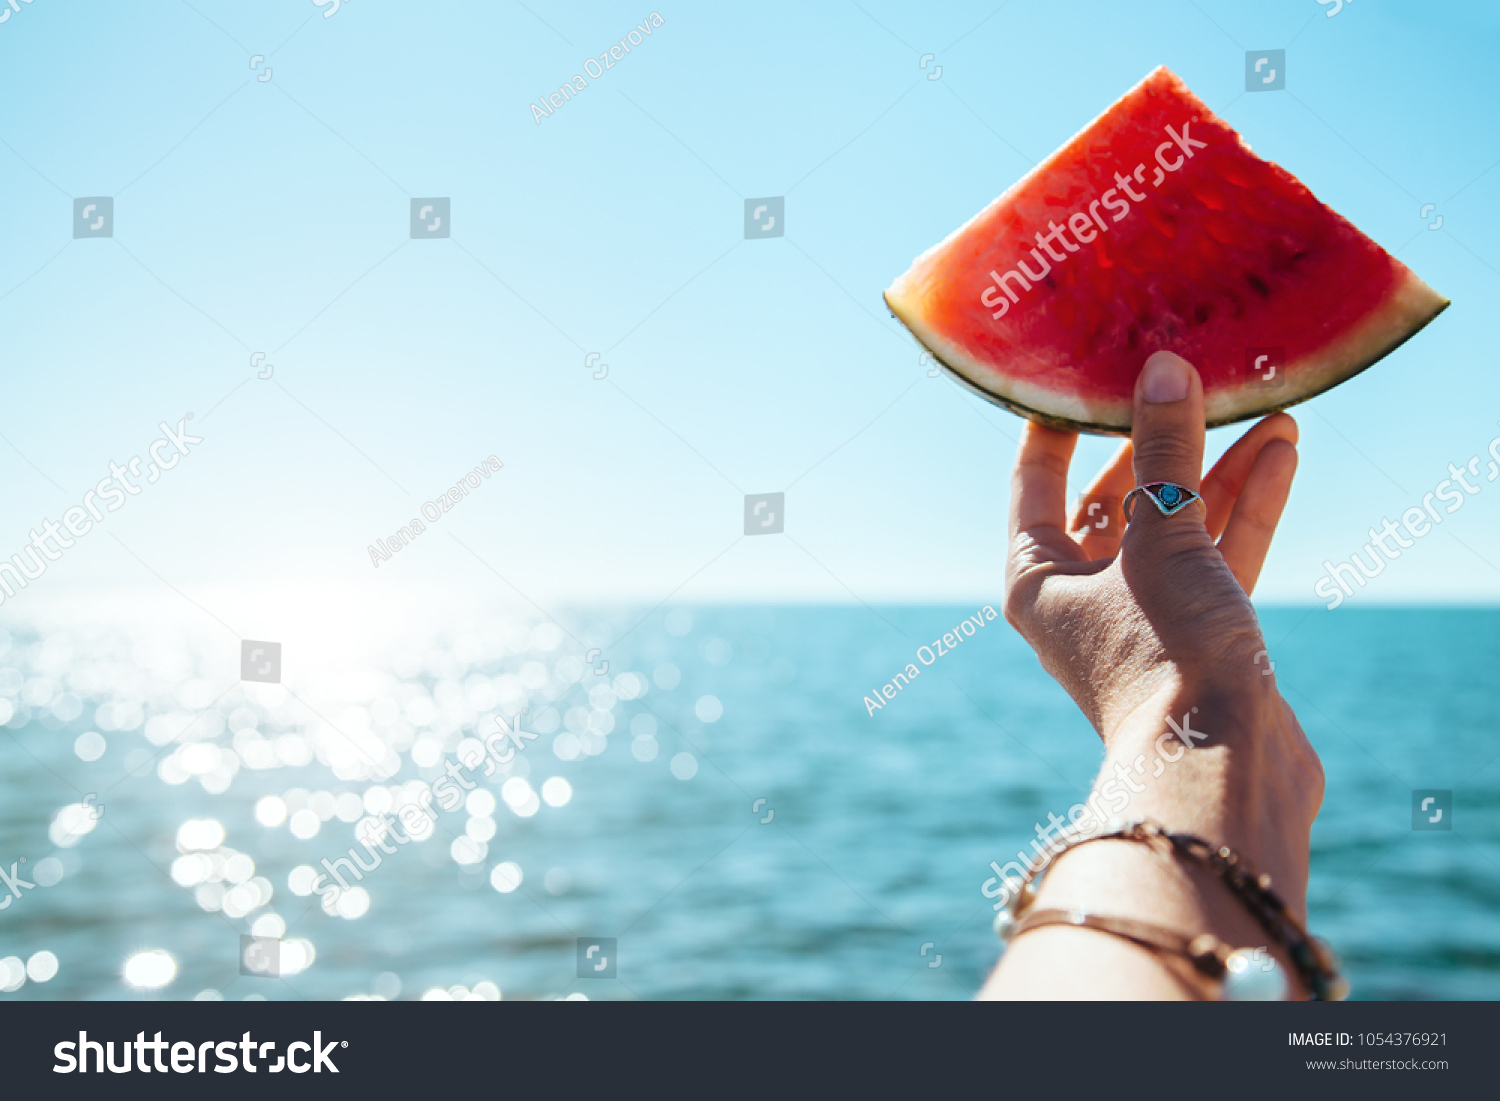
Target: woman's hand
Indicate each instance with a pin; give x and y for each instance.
(1115, 618)
(1150, 623)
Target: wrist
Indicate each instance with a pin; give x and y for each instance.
(1247, 703)
(1228, 763)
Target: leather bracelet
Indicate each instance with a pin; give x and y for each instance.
(1315, 963)
(1207, 953)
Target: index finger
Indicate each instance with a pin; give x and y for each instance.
(1039, 486)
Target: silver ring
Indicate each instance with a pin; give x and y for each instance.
(1169, 497)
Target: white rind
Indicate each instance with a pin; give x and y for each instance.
(1395, 320)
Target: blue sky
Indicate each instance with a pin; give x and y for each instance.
(273, 216)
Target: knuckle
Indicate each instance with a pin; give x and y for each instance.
(1171, 546)
(1021, 591)
(1014, 606)
(1012, 609)
(1256, 523)
(1164, 451)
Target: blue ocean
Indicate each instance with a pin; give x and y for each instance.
(708, 809)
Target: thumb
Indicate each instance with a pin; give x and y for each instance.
(1167, 429)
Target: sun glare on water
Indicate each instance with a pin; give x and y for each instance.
(376, 699)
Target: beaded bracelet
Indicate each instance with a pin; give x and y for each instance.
(1315, 963)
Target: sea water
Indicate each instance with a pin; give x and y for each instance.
(735, 822)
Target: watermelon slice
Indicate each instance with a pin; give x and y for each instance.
(1157, 228)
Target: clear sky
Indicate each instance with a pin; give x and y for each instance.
(273, 216)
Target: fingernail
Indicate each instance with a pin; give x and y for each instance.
(1167, 378)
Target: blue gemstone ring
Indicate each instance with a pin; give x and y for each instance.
(1169, 497)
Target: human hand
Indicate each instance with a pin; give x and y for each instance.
(1113, 612)
(1150, 622)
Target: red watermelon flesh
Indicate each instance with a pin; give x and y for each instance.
(1157, 228)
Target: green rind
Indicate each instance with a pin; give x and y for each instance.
(1066, 425)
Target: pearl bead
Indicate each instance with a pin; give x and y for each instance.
(1251, 979)
(1005, 925)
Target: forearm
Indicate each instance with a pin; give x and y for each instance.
(1238, 786)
